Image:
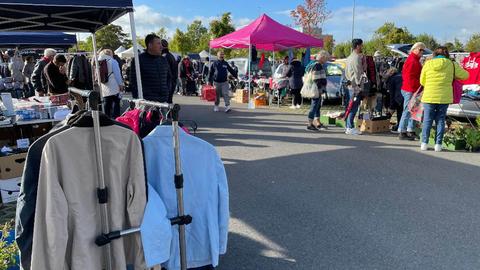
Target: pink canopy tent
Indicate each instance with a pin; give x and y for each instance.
(266, 34)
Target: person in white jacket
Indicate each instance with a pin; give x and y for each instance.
(112, 88)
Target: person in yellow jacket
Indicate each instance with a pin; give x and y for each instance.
(437, 77)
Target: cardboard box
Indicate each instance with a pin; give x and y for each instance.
(241, 96)
(370, 126)
(11, 166)
(9, 190)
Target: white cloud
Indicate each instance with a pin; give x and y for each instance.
(283, 12)
(242, 22)
(445, 19)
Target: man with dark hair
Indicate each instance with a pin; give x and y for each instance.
(354, 73)
(56, 75)
(155, 72)
(218, 76)
(172, 63)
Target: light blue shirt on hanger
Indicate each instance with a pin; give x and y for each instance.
(205, 194)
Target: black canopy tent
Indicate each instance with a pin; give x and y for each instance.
(68, 15)
(72, 16)
(28, 40)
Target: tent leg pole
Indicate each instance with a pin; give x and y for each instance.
(135, 56)
(97, 70)
(250, 106)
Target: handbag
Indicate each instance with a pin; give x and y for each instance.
(457, 88)
(309, 88)
(415, 105)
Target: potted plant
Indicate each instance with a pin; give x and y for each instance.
(8, 248)
(473, 140)
(456, 137)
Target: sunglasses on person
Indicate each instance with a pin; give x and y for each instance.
(421, 50)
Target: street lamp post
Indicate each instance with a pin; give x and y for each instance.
(353, 19)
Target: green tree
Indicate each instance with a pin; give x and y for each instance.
(162, 33)
(85, 45)
(111, 36)
(180, 42)
(428, 40)
(222, 26)
(450, 46)
(198, 36)
(458, 45)
(390, 34)
(328, 44)
(473, 44)
(342, 50)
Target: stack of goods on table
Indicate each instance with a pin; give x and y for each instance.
(241, 96)
(40, 108)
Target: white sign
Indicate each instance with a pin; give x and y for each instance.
(23, 143)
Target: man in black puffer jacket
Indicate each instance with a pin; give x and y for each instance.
(155, 72)
(172, 63)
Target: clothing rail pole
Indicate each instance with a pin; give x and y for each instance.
(179, 186)
(97, 67)
(102, 192)
(135, 56)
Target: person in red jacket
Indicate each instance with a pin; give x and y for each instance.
(411, 82)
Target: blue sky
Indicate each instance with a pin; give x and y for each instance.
(445, 19)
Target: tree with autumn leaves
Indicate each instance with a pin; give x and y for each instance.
(311, 15)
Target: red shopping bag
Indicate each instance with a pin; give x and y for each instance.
(415, 106)
(208, 93)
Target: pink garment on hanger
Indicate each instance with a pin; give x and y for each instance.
(131, 119)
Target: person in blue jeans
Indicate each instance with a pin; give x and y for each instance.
(320, 78)
(354, 73)
(437, 77)
(437, 113)
(411, 82)
(350, 121)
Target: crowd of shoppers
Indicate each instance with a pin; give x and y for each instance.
(162, 73)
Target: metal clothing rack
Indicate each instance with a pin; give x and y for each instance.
(181, 219)
(92, 97)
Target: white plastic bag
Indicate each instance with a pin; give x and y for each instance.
(310, 88)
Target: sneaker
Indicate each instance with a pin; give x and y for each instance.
(298, 106)
(312, 128)
(215, 109)
(322, 127)
(352, 131)
(227, 109)
(404, 136)
(293, 107)
(412, 134)
(438, 148)
(424, 147)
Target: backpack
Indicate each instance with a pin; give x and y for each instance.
(104, 75)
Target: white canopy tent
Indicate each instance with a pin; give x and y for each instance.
(204, 54)
(130, 52)
(120, 50)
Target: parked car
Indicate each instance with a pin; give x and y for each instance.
(335, 76)
(404, 49)
(467, 108)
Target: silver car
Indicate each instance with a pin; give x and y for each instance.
(335, 76)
